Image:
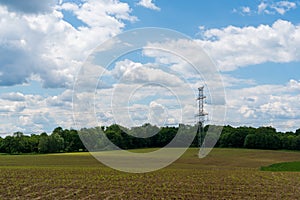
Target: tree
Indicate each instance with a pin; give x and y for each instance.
(250, 141)
(58, 131)
(297, 139)
(19, 143)
(73, 142)
(233, 137)
(147, 136)
(43, 146)
(263, 138)
(117, 135)
(34, 143)
(164, 136)
(1, 144)
(298, 131)
(16, 144)
(51, 144)
(55, 143)
(25, 145)
(289, 142)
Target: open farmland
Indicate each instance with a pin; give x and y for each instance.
(223, 174)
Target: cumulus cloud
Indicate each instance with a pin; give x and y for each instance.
(262, 105)
(157, 114)
(134, 86)
(234, 47)
(64, 100)
(13, 96)
(39, 44)
(47, 46)
(35, 113)
(148, 4)
(231, 48)
(131, 72)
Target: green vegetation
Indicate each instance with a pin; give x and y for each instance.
(259, 138)
(70, 140)
(59, 141)
(223, 174)
(286, 166)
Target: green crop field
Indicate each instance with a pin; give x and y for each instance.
(223, 174)
(286, 166)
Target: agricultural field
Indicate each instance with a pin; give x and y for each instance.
(285, 167)
(223, 174)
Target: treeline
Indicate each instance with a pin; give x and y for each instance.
(259, 138)
(64, 140)
(58, 141)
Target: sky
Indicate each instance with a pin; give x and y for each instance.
(254, 46)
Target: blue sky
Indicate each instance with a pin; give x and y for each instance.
(255, 46)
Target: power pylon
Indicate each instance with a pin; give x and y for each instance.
(201, 115)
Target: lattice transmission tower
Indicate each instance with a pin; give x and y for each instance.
(201, 115)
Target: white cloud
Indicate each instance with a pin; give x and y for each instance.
(262, 105)
(130, 72)
(246, 10)
(148, 4)
(13, 96)
(234, 47)
(294, 85)
(231, 47)
(44, 45)
(137, 85)
(282, 7)
(262, 7)
(268, 7)
(106, 14)
(40, 45)
(247, 112)
(157, 114)
(133, 85)
(63, 100)
(185, 57)
(34, 113)
(187, 60)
